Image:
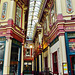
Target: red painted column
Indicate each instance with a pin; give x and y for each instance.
(31, 52)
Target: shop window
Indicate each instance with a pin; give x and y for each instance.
(55, 64)
(1, 57)
(27, 67)
(18, 15)
(28, 52)
(53, 13)
(72, 45)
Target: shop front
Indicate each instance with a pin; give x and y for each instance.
(70, 48)
(55, 56)
(15, 60)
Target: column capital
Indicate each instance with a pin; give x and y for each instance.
(9, 37)
(59, 17)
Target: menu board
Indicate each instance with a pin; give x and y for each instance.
(65, 68)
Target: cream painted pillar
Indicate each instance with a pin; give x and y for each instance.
(33, 66)
(62, 51)
(40, 38)
(42, 61)
(49, 59)
(12, 9)
(39, 63)
(6, 68)
(22, 61)
(59, 10)
(48, 23)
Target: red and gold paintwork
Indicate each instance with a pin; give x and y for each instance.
(12, 31)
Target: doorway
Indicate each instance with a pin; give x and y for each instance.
(15, 62)
(55, 63)
(72, 61)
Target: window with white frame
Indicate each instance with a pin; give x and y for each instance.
(28, 52)
(18, 15)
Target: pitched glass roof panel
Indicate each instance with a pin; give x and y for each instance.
(34, 8)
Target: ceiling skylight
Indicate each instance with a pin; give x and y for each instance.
(33, 17)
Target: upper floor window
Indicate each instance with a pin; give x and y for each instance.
(45, 26)
(28, 52)
(18, 15)
(53, 13)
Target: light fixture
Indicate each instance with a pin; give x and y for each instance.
(31, 46)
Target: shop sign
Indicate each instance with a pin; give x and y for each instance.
(16, 42)
(3, 16)
(69, 6)
(71, 34)
(65, 68)
(2, 39)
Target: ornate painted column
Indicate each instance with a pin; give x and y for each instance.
(40, 64)
(23, 18)
(62, 52)
(22, 59)
(59, 10)
(49, 58)
(12, 9)
(42, 61)
(33, 67)
(7, 56)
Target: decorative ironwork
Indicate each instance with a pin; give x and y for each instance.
(3, 16)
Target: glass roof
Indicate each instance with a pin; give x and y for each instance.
(34, 8)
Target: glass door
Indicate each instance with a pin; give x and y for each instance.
(72, 60)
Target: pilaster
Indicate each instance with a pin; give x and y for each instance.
(22, 59)
(62, 51)
(6, 68)
(42, 61)
(12, 9)
(39, 63)
(59, 10)
(49, 66)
